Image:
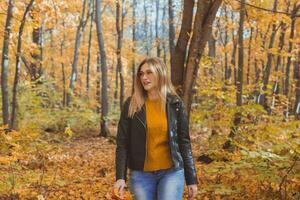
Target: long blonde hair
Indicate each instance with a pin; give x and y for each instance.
(164, 84)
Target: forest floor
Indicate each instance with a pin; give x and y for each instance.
(83, 168)
(77, 169)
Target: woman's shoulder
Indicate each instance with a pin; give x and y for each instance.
(173, 98)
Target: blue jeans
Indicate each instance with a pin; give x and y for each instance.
(166, 184)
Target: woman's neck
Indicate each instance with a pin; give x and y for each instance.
(152, 95)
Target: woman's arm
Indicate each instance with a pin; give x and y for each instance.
(122, 142)
(185, 146)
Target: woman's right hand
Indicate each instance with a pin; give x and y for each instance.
(119, 186)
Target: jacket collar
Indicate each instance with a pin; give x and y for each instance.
(172, 98)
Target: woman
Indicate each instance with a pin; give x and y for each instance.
(153, 139)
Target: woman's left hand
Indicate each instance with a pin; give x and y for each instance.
(192, 191)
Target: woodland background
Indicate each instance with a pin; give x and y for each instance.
(67, 67)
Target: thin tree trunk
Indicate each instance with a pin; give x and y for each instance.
(249, 56)
(62, 44)
(52, 70)
(267, 71)
(13, 124)
(233, 53)
(177, 72)
(146, 28)
(134, 43)
(225, 46)
(206, 12)
(212, 53)
(104, 96)
(157, 38)
(278, 65)
(98, 83)
(171, 31)
(119, 28)
(239, 91)
(5, 63)
(163, 34)
(290, 48)
(92, 11)
(74, 73)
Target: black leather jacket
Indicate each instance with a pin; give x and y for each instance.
(131, 140)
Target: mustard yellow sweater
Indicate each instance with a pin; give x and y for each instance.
(158, 155)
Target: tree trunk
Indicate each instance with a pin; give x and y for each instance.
(119, 28)
(232, 60)
(133, 43)
(206, 12)
(36, 69)
(163, 34)
(239, 91)
(13, 124)
(146, 29)
(74, 74)
(62, 44)
(290, 48)
(212, 53)
(267, 71)
(92, 13)
(226, 67)
(156, 29)
(171, 31)
(98, 83)
(249, 56)
(104, 96)
(177, 72)
(5, 63)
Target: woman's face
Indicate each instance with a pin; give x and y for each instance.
(147, 78)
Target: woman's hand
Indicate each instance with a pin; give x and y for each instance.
(119, 186)
(192, 191)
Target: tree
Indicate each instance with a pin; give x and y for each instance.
(134, 4)
(92, 11)
(119, 27)
(177, 72)
(239, 91)
(13, 124)
(104, 97)
(171, 30)
(74, 74)
(205, 15)
(5, 63)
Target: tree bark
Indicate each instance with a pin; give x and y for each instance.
(233, 53)
(267, 71)
(157, 38)
(171, 31)
(62, 44)
(249, 56)
(146, 28)
(5, 63)
(133, 43)
(290, 48)
(92, 13)
(74, 74)
(119, 28)
(239, 91)
(206, 12)
(104, 96)
(177, 72)
(13, 124)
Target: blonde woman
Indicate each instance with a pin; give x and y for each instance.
(153, 139)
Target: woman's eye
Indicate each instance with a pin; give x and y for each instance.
(149, 72)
